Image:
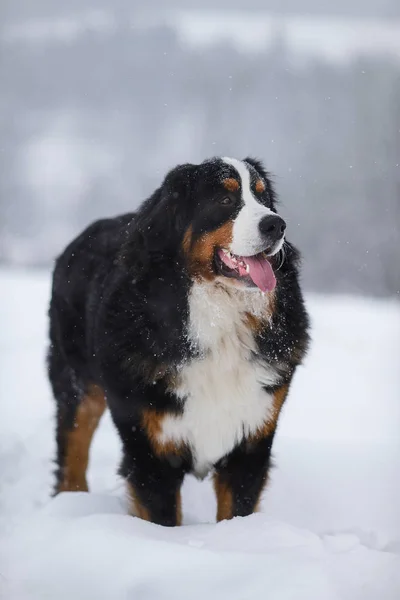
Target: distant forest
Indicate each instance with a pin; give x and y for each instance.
(89, 128)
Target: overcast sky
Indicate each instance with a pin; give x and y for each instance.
(367, 8)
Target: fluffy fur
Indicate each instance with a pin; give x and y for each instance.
(193, 360)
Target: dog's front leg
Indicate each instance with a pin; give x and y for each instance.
(240, 477)
(153, 478)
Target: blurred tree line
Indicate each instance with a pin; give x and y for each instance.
(89, 128)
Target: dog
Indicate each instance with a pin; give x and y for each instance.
(187, 319)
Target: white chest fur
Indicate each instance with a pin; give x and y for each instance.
(222, 391)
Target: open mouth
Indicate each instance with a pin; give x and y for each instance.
(252, 270)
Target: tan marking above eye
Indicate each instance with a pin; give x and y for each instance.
(260, 186)
(231, 184)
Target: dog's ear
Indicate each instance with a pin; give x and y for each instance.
(157, 229)
(176, 193)
(163, 217)
(265, 175)
(258, 166)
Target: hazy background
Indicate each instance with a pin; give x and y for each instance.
(99, 98)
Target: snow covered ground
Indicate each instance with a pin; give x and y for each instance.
(330, 524)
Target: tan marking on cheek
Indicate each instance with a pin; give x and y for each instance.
(260, 186)
(224, 494)
(78, 440)
(231, 184)
(200, 253)
(152, 422)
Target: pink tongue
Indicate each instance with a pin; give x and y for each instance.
(260, 272)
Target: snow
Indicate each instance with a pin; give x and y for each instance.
(329, 526)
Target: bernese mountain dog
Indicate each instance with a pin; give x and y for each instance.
(187, 319)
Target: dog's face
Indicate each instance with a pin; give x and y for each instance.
(233, 229)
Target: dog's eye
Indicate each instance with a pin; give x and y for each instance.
(227, 201)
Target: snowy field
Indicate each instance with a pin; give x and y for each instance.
(330, 522)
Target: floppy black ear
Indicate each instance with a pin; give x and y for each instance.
(157, 230)
(266, 176)
(258, 165)
(176, 191)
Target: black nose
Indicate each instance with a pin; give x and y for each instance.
(272, 227)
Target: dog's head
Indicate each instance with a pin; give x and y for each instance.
(222, 214)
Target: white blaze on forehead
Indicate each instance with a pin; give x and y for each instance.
(246, 237)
